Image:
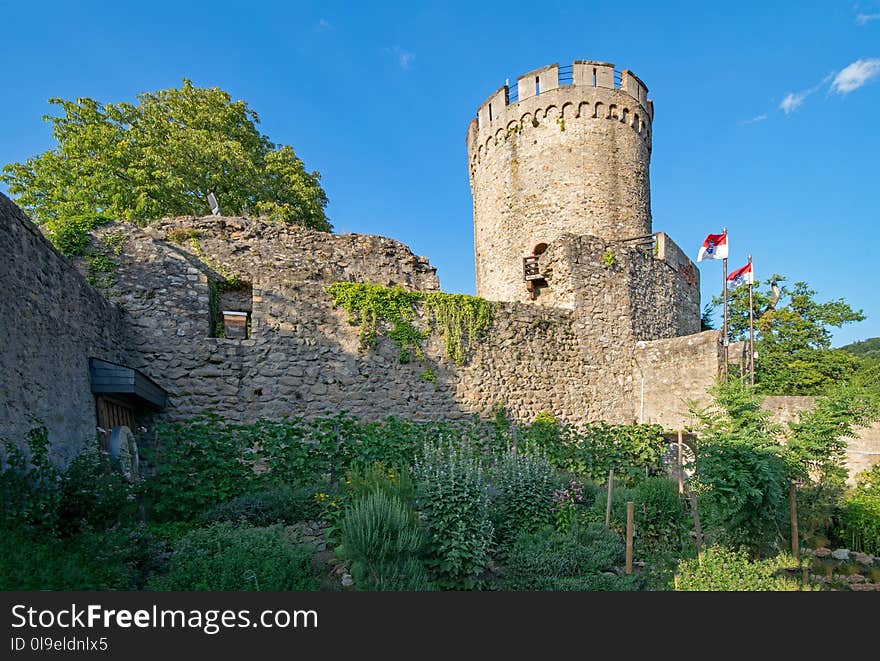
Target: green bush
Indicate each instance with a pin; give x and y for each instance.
(264, 508)
(452, 500)
(591, 451)
(93, 493)
(620, 496)
(224, 557)
(522, 493)
(660, 518)
(110, 560)
(858, 521)
(29, 484)
(381, 536)
(571, 502)
(724, 570)
(360, 482)
(550, 560)
(743, 493)
(196, 465)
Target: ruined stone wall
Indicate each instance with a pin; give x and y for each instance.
(634, 292)
(668, 373)
(51, 322)
(302, 357)
(862, 449)
(573, 159)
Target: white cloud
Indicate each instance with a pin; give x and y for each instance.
(793, 101)
(856, 75)
(404, 57)
(864, 19)
(757, 118)
(323, 24)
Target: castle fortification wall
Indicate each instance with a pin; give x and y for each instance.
(630, 291)
(571, 159)
(302, 357)
(862, 449)
(51, 322)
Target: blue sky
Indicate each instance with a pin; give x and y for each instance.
(766, 113)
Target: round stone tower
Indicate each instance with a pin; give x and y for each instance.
(566, 152)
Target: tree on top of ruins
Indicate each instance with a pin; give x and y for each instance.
(161, 156)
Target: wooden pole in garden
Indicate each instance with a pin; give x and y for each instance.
(608, 505)
(697, 528)
(630, 510)
(792, 506)
(680, 466)
(514, 435)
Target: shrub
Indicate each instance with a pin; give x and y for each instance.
(858, 522)
(550, 560)
(660, 518)
(264, 508)
(620, 496)
(591, 451)
(93, 493)
(110, 560)
(522, 496)
(720, 569)
(224, 557)
(743, 490)
(29, 484)
(452, 500)
(570, 503)
(196, 465)
(379, 477)
(381, 536)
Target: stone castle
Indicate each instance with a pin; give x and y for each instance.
(598, 316)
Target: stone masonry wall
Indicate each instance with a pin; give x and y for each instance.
(651, 292)
(573, 159)
(302, 357)
(862, 451)
(669, 373)
(51, 322)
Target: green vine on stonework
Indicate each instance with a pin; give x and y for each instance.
(462, 320)
(367, 304)
(100, 271)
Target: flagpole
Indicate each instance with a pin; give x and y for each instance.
(751, 325)
(724, 342)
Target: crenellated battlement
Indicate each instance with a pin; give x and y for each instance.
(596, 85)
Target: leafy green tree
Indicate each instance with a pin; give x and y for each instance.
(160, 157)
(792, 336)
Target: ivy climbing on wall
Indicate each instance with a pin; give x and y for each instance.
(461, 319)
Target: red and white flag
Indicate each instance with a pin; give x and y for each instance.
(742, 276)
(714, 247)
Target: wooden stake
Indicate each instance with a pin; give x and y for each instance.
(630, 511)
(697, 528)
(513, 433)
(792, 506)
(680, 466)
(608, 506)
